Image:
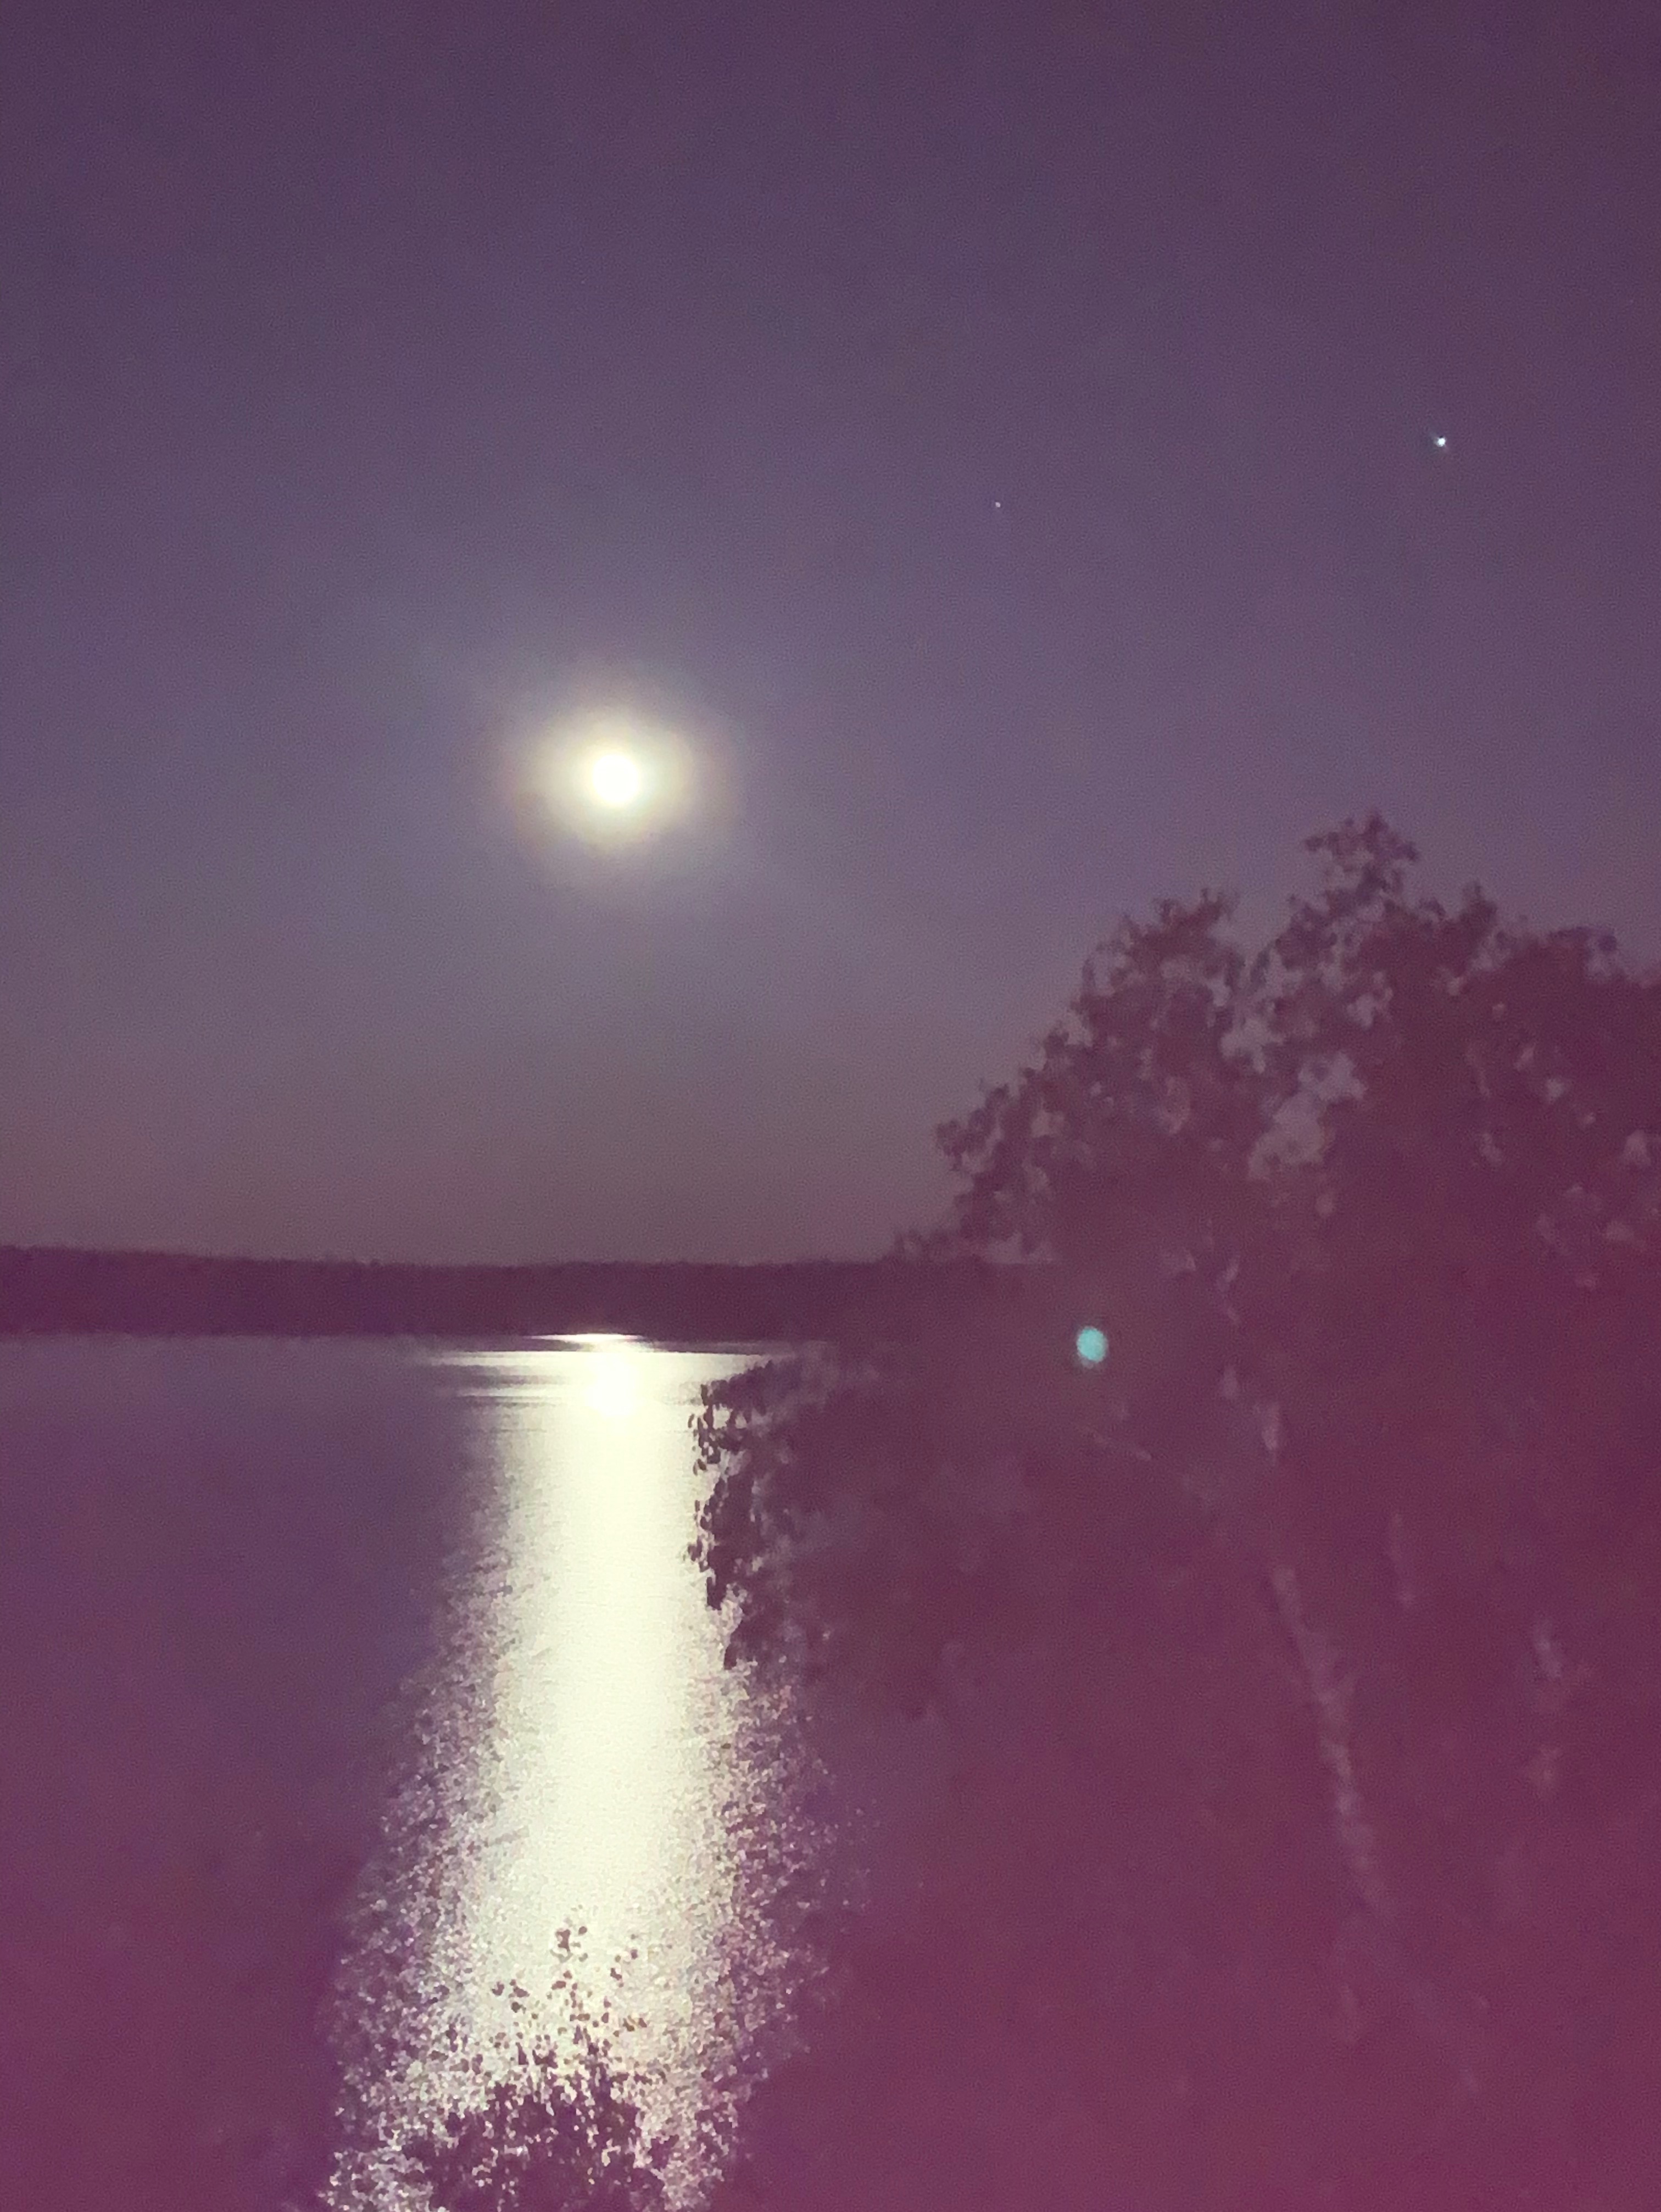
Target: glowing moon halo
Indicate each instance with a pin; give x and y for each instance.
(614, 778)
(611, 779)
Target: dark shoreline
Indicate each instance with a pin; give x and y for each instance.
(59, 1291)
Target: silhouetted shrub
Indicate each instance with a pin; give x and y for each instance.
(557, 2130)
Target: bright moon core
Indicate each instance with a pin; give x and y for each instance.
(615, 779)
(610, 779)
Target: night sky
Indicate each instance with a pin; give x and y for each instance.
(1003, 439)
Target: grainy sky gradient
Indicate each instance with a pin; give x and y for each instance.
(1005, 433)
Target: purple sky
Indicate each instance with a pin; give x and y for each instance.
(1010, 430)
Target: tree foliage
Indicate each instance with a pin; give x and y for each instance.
(1387, 1195)
(552, 2129)
(1372, 1219)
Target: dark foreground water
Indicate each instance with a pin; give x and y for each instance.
(335, 1681)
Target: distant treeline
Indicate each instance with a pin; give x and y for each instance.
(54, 1292)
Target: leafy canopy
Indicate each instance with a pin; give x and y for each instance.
(1372, 1221)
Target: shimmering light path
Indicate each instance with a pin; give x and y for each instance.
(581, 1760)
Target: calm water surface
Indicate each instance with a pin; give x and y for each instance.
(338, 1681)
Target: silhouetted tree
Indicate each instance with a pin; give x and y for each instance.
(1332, 1593)
(556, 2130)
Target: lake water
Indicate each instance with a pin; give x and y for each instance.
(336, 1681)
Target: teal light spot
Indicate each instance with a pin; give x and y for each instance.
(1090, 1345)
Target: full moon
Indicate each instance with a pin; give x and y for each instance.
(612, 777)
(616, 780)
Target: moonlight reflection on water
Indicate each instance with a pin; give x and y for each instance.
(581, 1759)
